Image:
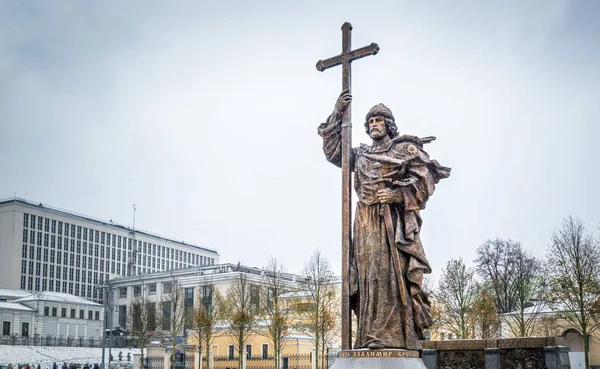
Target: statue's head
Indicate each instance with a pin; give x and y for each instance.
(380, 110)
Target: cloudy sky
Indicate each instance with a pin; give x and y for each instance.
(204, 114)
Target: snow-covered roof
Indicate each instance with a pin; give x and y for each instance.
(541, 307)
(14, 306)
(57, 297)
(297, 336)
(15, 294)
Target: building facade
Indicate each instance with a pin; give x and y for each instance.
(49, 315)
(48, 249)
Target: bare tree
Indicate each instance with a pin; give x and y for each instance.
(277, 320)
(514, 276)
(240, 309)
(320, 289)
(172, 315)
(573, 278)
(484, 315)
(142, 321)
(456, 294)
(207, 316)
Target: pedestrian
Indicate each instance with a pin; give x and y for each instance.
(39, 366)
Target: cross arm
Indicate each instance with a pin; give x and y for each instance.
(353, 55)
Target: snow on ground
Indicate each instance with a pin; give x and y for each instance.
(45, 356)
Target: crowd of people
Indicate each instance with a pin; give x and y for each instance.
(65, 365)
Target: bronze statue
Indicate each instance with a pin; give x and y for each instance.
(393, 178)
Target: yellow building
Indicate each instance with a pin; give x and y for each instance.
(547, 323)
(296, 352)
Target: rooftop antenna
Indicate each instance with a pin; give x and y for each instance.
(134, 208)
(134, 248)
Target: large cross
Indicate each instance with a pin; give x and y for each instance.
(345, 59)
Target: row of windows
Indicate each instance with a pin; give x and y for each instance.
(47, 265)
(74, 288)
(82, 260)
(92, 315)
(264, 353)
(104, 238)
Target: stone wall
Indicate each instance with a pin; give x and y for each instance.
(509, 353)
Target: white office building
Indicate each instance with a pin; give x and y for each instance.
(47, 249)
(49, 316)
(196, 284)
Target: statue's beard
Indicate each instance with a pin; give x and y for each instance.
(377, 135)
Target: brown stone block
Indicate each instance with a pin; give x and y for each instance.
(522, 342)
(428, 345)
(491, 343)
(461, 345)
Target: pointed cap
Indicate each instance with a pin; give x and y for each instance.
(380, 110)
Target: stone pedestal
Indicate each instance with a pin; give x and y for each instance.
(378, 359)
(430, 358)
(557, 357)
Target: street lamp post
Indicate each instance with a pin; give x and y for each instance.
(297, 353)
(106, 299)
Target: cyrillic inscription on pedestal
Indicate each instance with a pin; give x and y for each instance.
(378, 353)
(378, 359)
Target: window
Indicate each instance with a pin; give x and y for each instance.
(254, 297)
(122, 292)
(137, 290)
(167, 287)
(248, 352)
(265, 351)
(285, 363)
(25, 328)
(122, 316)
(207, 298)
(189, 296)
(26, 220)
(97, 317)
(6, 328)
(189, 306)
(63, 312)
(152, 289)
(230, 351)
(54, 310)
(81, 314)
(46, 310)
(152, 316)
(73, 313)
(166, 316)
(90, 315)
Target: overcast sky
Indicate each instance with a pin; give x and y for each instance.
(204, 114)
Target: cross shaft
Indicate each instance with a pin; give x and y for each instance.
(345, 59)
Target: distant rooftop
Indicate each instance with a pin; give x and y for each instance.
(109, 223)
(56, 297)
(13, 306)
(13, 294)
(205, 270)
(24, 296)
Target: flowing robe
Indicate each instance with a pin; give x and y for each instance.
(375, 288)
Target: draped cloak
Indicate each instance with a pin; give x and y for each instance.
(375, 293)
